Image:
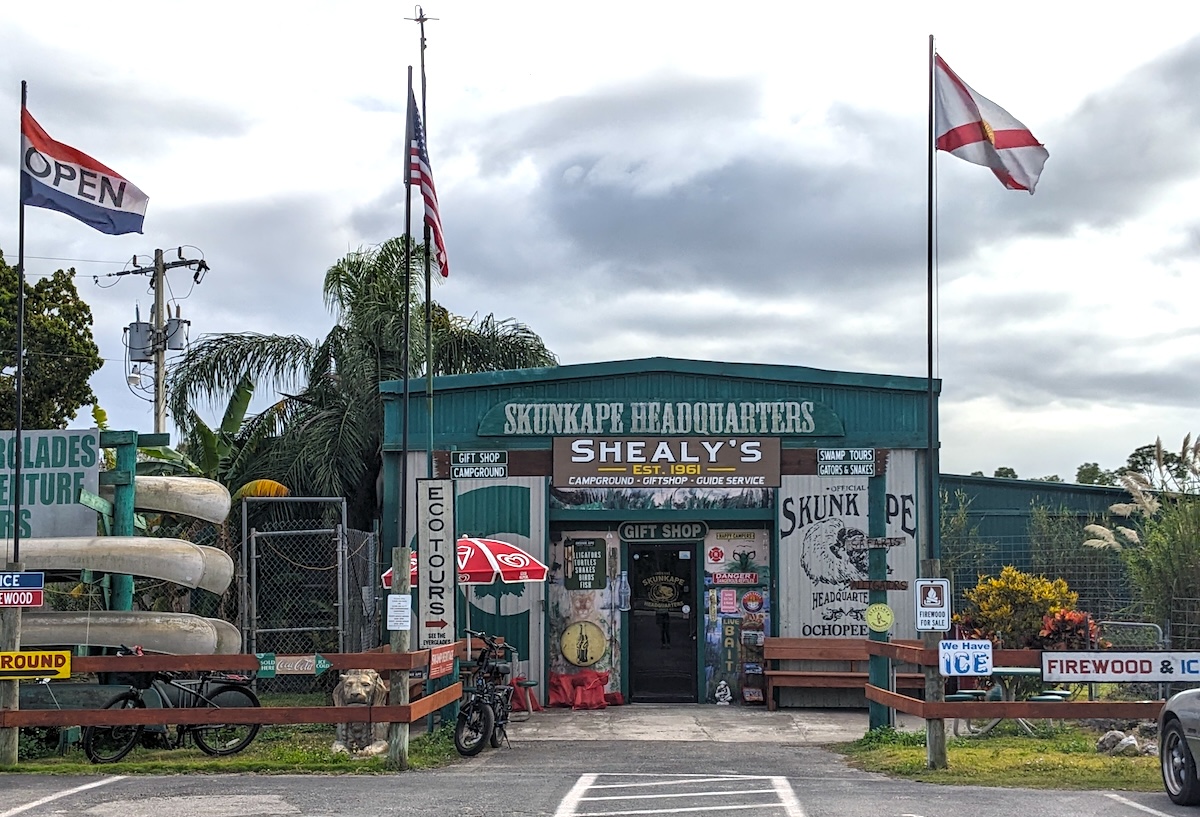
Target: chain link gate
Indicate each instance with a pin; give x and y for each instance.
(305, 584)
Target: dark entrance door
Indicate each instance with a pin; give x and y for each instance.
(662, 623)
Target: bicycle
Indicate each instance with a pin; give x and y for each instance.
(484, 718)
(108, 744)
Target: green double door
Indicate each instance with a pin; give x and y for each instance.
(663, 632)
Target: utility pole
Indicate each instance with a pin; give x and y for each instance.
(162, 325)
(160, 344)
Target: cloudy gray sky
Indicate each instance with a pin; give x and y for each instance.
(735, 182)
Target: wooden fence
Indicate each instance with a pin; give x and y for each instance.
(940, 710)
(382, 662)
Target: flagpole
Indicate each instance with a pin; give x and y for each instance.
(932, 532)
(429, 358)
(18, 443)
(408, 140)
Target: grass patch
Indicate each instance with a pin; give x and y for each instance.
(1056, 758)
(276, 750)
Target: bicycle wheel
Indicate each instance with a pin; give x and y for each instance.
(501, 706)
(227, 738)
(108, 744)
(474, 727)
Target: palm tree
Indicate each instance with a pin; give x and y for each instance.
(328, 425)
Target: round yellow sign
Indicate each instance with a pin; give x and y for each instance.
(880, 617)
(583, 643)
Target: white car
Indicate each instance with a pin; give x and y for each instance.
(1178, 744)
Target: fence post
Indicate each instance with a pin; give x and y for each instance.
(935, 730)
(400, 642)
(10, 641)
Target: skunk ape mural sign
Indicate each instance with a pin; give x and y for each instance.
(823, 524)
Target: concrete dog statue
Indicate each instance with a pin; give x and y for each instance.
(361, 687)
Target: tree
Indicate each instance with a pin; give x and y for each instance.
(328, 426)
(1051, 478)
(1004, 472)
(60, 354)
(1090, 473)
(1156, 464)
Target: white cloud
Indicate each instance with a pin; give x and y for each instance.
(653, 181)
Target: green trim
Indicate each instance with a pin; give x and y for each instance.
(666, 365)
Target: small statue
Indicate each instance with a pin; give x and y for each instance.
(361, 687)
(723, 695)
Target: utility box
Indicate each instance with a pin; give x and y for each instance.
(141, 342)
(177, 333)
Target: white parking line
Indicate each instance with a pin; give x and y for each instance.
(586, 794)
(67, 792)
(1123, 800)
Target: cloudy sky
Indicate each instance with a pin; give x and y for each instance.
(740, 182)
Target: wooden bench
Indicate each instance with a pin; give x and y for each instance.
(847, 651)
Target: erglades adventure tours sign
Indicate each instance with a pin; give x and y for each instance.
(55, 466)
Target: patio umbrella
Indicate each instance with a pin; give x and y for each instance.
(483, 561)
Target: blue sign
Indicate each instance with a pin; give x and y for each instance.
(22, 581)
(973, 657)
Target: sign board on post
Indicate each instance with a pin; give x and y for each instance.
(933, 605)
(973, 657)
(21, 589)
(478, 464)
(29, 665)
(58, 464)
(436, 565)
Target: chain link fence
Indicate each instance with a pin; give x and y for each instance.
(306, 585)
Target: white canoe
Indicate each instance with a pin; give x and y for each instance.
(173, 633)
(173, 560)
(191, 496)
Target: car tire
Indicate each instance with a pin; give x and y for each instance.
(1178, 765)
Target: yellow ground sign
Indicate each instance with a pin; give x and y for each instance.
(33, 664)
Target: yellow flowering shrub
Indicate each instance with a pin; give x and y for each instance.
(1010, 609)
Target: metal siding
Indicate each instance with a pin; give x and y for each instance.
(486, 508)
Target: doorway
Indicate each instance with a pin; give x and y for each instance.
(662, 623)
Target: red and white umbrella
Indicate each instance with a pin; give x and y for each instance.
(483, 561)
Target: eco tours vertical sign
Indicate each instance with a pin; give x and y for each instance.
(56, 466)
(436, 566)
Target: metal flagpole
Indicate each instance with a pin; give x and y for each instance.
(10, 617)
(935, 729)
(18, 443)
(931, 527)
(429, 356)
(409, 134)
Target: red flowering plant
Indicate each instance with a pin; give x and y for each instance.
(1069, 630)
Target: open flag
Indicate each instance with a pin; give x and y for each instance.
(974, 128)
(59, 177)
(421, 176)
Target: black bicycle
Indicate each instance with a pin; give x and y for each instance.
(108, 744)
(484, 718)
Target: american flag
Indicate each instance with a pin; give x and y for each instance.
(420, 175)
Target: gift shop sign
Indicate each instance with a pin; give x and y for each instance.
(666, 462)
(1120, 667)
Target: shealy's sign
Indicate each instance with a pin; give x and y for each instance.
(666, 462)
(553, 418)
